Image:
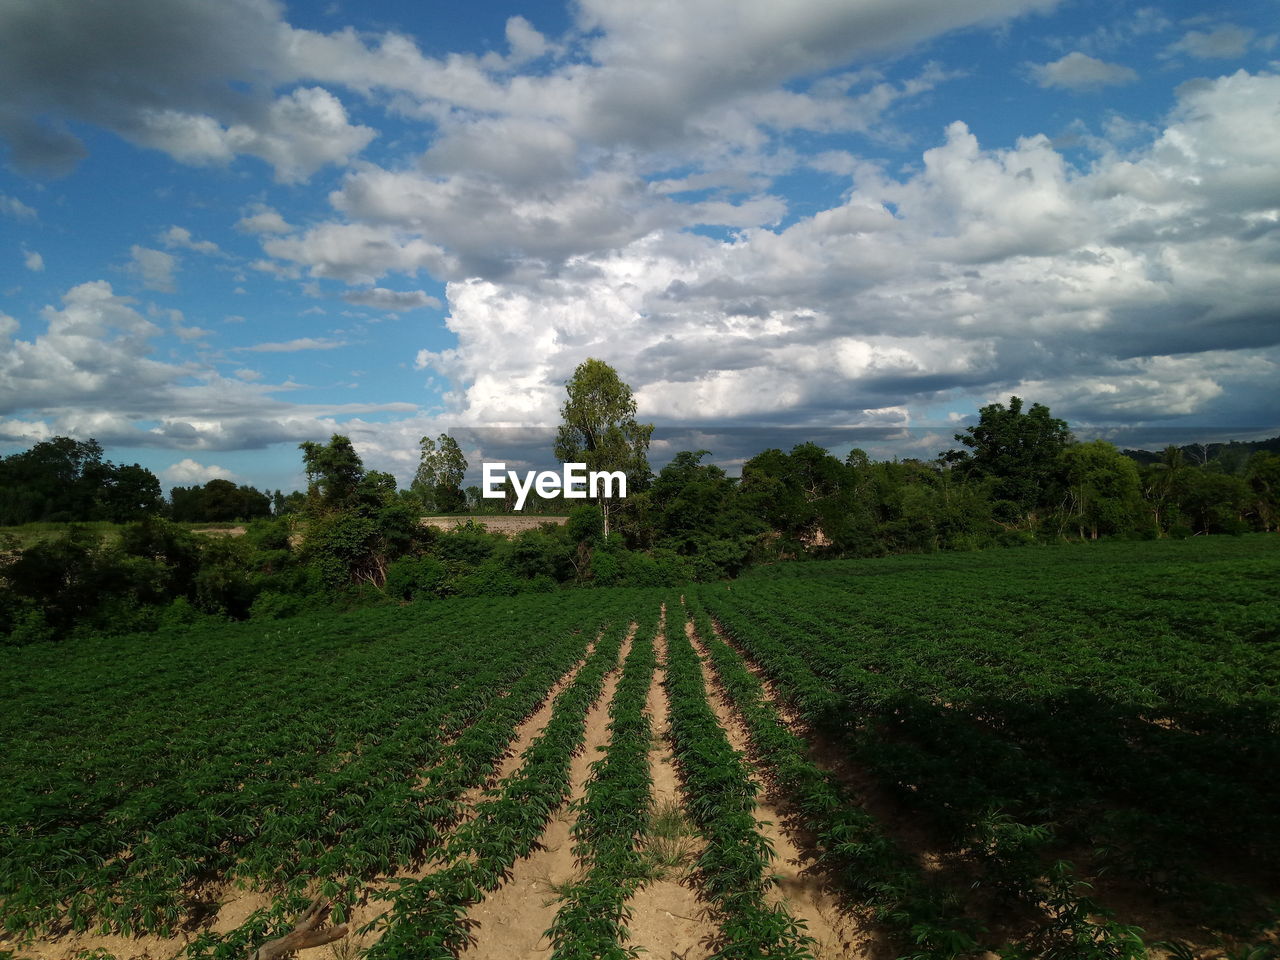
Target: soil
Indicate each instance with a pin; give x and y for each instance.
(667, 919)
(503, 523)
(804, 890)
(514, 917)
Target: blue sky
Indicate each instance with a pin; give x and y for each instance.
(229, 227)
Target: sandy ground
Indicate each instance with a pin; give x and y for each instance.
(504, 523)
(802, 890)
(667, 919)
(513, 918)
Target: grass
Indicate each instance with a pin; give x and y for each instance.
(27, 534)
(669, 844)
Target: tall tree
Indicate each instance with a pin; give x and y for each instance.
(1019, 451)
(438, 480)
(598, 427)
(334, 471)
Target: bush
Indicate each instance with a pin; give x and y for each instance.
(269, 535)
(415, 577)
(270, 605)
(490, 579)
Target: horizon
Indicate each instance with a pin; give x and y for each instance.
(229, 228)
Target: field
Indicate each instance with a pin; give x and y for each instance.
(1061, 752)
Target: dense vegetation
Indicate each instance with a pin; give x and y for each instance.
(1080, 742)
(1017, 477)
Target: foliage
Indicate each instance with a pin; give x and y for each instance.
(598, 427)
(438, 480)
(196, 731)
(1019, 451)
(218, 501)
(67, 480)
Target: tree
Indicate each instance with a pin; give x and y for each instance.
(356, 524)
(438, 480)
(1102, 489)
(131, 493)
(1019, 451)
(334, 471)
(599, 428)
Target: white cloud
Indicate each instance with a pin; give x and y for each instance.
(263, 219)
(187, 472)
(359, 253)
(155, 267)
(1079, 71)
(15, 208)
(190, 78)
(1222, 43)
(293, 346)
(384, 299)
(982, 271)
(32, 260)
(91, 373)
(181, 237)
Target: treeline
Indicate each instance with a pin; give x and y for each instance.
(63, 480)
(67, 481)
(1017, 477)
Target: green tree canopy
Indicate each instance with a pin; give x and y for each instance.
(334, 472)
(62, 479)
(598, 427)
(1019, 451)
(438, 480)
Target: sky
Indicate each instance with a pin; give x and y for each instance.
(229, 226)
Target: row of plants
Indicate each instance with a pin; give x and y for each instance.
(871, 866)
(333, 752)
(1179, 699)
(732, 872)
(428, 917)
(1014, 853)
(611, 821)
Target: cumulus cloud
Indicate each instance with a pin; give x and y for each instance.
(188, 472)
(617, 201)
(1079, 71)
(397, 300)
(32, 260)
(1222, 43)
(91, 372)
(263, 219)
(181, 237)
(154, 267)
(983, 272)
(190, 78)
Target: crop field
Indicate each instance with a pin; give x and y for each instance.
(1064, 752)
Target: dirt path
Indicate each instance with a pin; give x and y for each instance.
(667, 919)
(514, 917)
(802, 890)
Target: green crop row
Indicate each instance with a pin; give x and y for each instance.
(852, 843)
(345, 761)
(733, 870)
(1056, 720)
(612, 819)
(1014, 852)
(428, 917)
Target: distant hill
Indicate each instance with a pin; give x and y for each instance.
(1233, 451)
